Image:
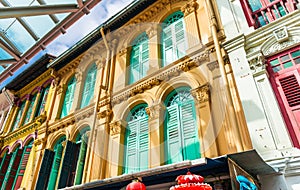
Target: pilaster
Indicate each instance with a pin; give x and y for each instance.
(206, 131)
(156, 137)
(154, 61)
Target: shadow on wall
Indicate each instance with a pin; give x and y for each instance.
(252, 111)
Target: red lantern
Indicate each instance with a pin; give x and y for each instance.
(136, 185)
(190, 182)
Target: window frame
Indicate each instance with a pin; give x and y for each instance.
(88, 94)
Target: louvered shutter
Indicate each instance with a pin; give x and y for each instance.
(289, 89)
(173, 135)
(168, 53)
(66, 164)
(42, 101)
(134, 64)
(144, 59)
(131, 147)
(55, 167)
(12, 170)
(68, 100)
(89, 85)
(179, 38)
(45, 170)
(143, 144)
(19, 115)
(189, 130)
(22, 167)
(80, 164)
(4, 165)
(29, 110)
(73, 165)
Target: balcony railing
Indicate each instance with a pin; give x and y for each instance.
(268, 12)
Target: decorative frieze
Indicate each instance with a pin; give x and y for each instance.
(155, 110)
(190, 7)
(159, 76)
(116, 127)
(201, 94)
(104, 113)
(277, 47)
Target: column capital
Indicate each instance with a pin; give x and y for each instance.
(116, 127)
(190, 7)
(257, 64)
(201, 94)
(155, 110)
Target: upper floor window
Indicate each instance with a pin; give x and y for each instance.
(19, 115)
(89, 86)
(173, 38)
(262, 12)
(139, 59)
(42, 102)
(181, 132)
(68, 99)
(136, 140)
(30, 110)
(285, 60)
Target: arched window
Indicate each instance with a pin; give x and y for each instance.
(173, 38)
(68, 99)
(89, 86)
(136, 140)
(181, 133)
(30, 110)
(139, 59)
(18, 116)
(42, 102)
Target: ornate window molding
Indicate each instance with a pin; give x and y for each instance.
(155, 111)
(201, 94)
(116, 127)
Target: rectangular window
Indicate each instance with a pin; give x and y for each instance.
(262, 12)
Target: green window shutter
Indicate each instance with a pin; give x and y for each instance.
(181, 128)
(55, 167)
(12, 170)
(131, 157)
(137, 141)
(19, 115)
(139, 58)
(45, 170)
(30, 109)
(81, 160)
(173, 134)
(89, 86)
(68, 99)
(189, 131)
(143, 141)
(22, 167)
(4, 165)
(67, 164)
(42, 102)
(173, 38)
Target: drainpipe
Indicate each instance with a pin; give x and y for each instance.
(232, 114)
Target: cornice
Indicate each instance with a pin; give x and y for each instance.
(24, 130)
(164, 74)
(70, 67)
(34, 83)
(71, 119)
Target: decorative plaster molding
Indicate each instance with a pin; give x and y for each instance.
(190, 7)
(105, 113)
(71, 67)
(78, 75)
(155, 110)
(123, 51)
(276, 47)
(281, 34)
(153, 30)
(257, 64)
(213, 65)
(116, 127)
(201, 94)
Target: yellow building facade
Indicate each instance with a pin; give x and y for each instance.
(150, 87)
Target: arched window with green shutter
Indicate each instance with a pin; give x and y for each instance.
(139, 58)
(68, 99)
(30, 109)
(89, 86)
(181, 133)
(136, 140)
(173, 38)
(18, 116)
(42, 101)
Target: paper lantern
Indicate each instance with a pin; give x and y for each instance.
(190, 182)
(136, 185)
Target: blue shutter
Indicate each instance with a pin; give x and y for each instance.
(143, 142)
(18, 117)
(189, 130)
(174, 146)
(81, 160)
(4, 165)
(45, 170)
(42, 102)
(131, 155)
